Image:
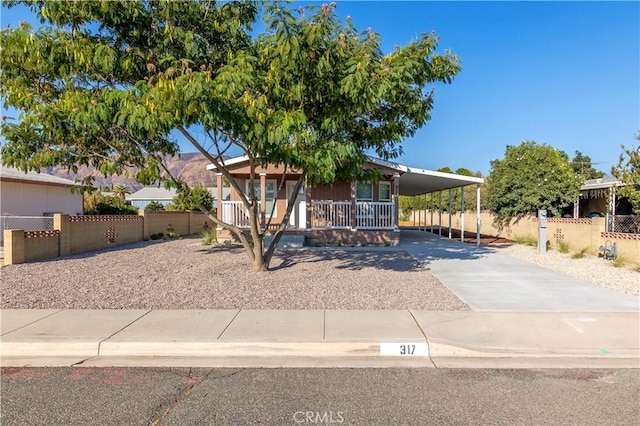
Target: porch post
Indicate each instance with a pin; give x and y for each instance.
(309, 206)
(396, 201)
(440, 213)
(450, 203)
(263, 198)
(478, 214)
(425, 198)
(353, 206)
(612, 201)
(413, 213)
(219, 195)
(462, 213)
(576, 208)
(425, 212)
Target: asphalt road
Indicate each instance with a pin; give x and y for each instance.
(136, 396)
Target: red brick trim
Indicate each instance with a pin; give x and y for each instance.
(105, 218)
(620, 236)
(579, 221)
(41, 234)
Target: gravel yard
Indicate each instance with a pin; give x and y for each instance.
(590, 268)
(184, 274)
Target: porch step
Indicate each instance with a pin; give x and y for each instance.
(286, 241)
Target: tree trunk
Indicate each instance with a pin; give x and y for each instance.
(259, 264)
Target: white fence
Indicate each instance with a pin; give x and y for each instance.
(235, 213)
(331, 214)
(374, 215)
(26, 223)
(337, 215)
(326, 215)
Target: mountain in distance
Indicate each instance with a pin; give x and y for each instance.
(190, 167)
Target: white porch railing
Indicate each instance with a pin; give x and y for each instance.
(337, 215)
(235, 213)
(326, 214)
(374, 215)
(331, 214)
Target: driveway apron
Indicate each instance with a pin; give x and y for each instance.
(489, 281)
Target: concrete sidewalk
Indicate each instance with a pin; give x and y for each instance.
(331, 338)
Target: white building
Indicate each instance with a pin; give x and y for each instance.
(36, 194)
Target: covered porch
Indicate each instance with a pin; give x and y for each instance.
(369, 209)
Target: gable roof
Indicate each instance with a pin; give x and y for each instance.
(12, 174)
(602, 183)
(152, 193)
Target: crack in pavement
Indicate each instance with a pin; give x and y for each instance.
(189, 390)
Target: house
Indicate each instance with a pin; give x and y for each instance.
(598, 197)
(37, 194)
(147, 194)
(346, 212)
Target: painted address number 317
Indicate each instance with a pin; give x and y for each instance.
(407, 349)
(404, 349)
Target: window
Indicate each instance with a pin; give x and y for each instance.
(271, 189)
(384, 191)
(364, 191)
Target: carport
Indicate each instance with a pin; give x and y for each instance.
(415, 182)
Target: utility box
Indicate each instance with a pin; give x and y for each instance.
(542, 231)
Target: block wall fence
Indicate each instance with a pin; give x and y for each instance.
(581, 233)
(77, 234)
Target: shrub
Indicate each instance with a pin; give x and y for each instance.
(209, 236)
(157, 236)
(618, 262)
(527, 240)
(580, 254)
(563, 246)
(155, 205)
(113, 206)
(192, 199)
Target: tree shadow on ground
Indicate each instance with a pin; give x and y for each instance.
(398, 261)
(417, 250)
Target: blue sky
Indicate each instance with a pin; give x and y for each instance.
(562, 73)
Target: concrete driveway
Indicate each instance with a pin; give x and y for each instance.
(489, 281)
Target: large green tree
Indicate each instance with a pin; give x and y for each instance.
(583, 167)
(628, 172)
(106, 82)
(530, 177)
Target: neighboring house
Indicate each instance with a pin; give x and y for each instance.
(36, 194)
(144, 196)
(333, 213)
(598, 197)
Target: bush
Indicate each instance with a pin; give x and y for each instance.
(192, 199)
(157, 236)
(580, 254)
(618, 262)
(96, 204)
(155, 205)
(563, 247)
(527, 240)
(209, 236)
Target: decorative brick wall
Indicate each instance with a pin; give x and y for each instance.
(578, 233)
(77, 234)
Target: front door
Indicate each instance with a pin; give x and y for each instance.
(297, 220)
